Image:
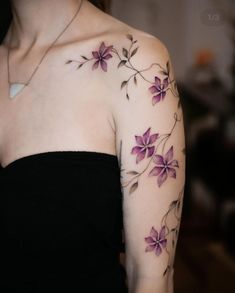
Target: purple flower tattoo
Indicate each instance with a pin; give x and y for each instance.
(101, 56)
(165, 166)
(124, 57)
(159, 89)
(144, 144)
(156, 241)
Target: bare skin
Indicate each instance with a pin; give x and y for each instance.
(125, 104)
(54, 112)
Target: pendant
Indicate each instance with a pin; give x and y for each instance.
(15, 89)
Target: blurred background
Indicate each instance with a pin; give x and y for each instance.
(200, 36)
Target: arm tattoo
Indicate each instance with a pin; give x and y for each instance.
(158, 87)
(149, 146)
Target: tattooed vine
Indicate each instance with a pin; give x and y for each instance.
(150, 147)
(158, 87)
(157, 241)
(145, 149)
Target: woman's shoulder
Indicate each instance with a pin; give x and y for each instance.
(122, 34)
(104, 27)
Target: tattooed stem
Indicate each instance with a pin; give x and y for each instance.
(120, 58)
(174, 94)
(103, 54)
(79, 62)
(153, 64)
(172, 130)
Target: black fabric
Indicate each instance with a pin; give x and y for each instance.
(61, 221)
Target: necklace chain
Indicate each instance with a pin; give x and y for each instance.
(44, 55)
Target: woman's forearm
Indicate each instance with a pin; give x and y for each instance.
(151, 285)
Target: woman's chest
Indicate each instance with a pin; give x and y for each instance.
(60, 109)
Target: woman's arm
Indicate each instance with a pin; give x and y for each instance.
(151, 152)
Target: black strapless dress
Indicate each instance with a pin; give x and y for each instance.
(60, 223)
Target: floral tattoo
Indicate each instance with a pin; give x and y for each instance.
(149, 146)
(165, 165)
(157, 241)
(158, 87)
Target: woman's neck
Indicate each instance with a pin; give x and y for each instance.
(39, 21)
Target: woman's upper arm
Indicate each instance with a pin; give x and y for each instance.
(150, 148)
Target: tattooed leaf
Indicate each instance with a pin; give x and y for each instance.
(135, 80)
(84, 57)
(178, 205)
(166, 270)
(179, 104)
(68, 62)
(122, 63)
(176, 88)
(163, 72)
(130, 37)
(80, 65)
(173, 204)
(134, 51)
(168, 67)
(125, 52)
(124, 83)
(133, 187)
(127, 96)
(132, 172)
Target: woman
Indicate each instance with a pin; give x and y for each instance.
(91, 135)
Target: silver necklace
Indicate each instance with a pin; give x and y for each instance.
(17, 87)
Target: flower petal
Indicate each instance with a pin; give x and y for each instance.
(153, 138)
(165, 82)
(95, 65)
(163, 94)
(157, 81)
(156, 171)
(171, 172)
(153, 89)
(107, 50)
(156, 99)
(103, 65)
(95, 54)
(169, 155)
(174, 163)
(108, 56)
(135, 150)
(153, 233)
(146, 136)
(163, 243)
(158, 160)
(162, 178)
(150, 151)
(139, 140)
(149, 248)
(102, 48)
(158, 249)
(149, 240)
(140, 156)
